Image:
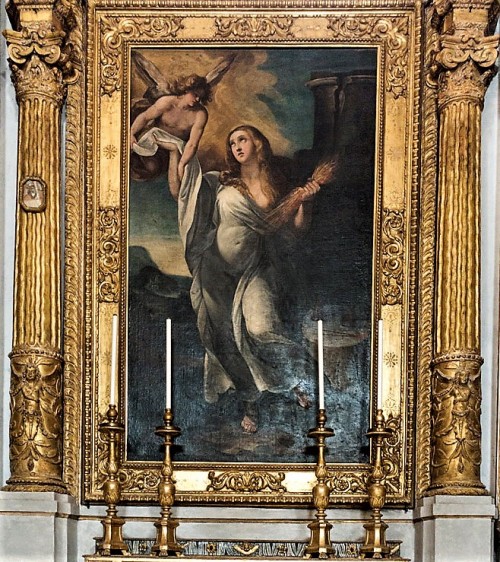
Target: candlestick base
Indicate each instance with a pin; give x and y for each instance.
(375, 545)
(112, 541)
(166, 543)
(320, 545)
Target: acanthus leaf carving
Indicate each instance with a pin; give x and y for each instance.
(38, 53)
(392, 454)
(465, 60)
(355, 483)
(246, 482)
(392, 32)
(392, 256)
(254, 27)
(115, 30)
(109, 254)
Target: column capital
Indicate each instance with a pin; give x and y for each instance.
(41, 56)
(464, 62)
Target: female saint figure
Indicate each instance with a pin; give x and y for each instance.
(232, 250)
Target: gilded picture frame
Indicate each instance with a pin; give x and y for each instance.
(390, 36)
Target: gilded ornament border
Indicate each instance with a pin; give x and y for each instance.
(426, 272)
(394, 29)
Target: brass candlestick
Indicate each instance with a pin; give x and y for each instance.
(112, 541)
(375, 545)
(319, 543)
(166, 544)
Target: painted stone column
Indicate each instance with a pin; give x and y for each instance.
(465, 67)
(36, 59)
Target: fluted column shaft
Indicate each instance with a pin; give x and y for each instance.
(36, 361)
(464, 64)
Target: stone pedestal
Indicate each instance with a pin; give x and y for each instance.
(37, 526)
(454, 529)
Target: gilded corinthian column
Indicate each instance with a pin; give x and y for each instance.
(465, 67)
(36, 60)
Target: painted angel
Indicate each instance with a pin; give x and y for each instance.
(170, 108)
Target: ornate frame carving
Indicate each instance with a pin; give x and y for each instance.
(394, 31)
(434, 64)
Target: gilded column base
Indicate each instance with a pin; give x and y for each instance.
(36, 421)
(456, 427)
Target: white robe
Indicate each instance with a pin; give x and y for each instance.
(229, 249)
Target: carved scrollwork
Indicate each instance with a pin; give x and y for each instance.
(355, 483)
(392, 256)
(468, 44)
(109, 254)
(391, 455)
(392, 31)
(36, 414)
(144, 481)
(37, 39)
(245, 482)
(115, 30)
(456, 412)
(254, 27)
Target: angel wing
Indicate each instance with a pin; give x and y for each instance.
(215, 75)
(158, 85)
(151, 76)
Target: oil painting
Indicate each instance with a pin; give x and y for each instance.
(251, 217)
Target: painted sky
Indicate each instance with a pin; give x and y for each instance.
(264, 87)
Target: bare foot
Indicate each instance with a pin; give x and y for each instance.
(248, 425)
(303, 399)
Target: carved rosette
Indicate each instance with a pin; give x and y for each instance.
(36, 420)
(341, 483)
(464, 67)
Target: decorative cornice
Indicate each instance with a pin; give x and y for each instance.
(278, 5)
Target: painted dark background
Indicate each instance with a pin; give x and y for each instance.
(318, 102)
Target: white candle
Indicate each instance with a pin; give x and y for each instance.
(321, 379)
(380, 363)
(114, 360)
(169, 363)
